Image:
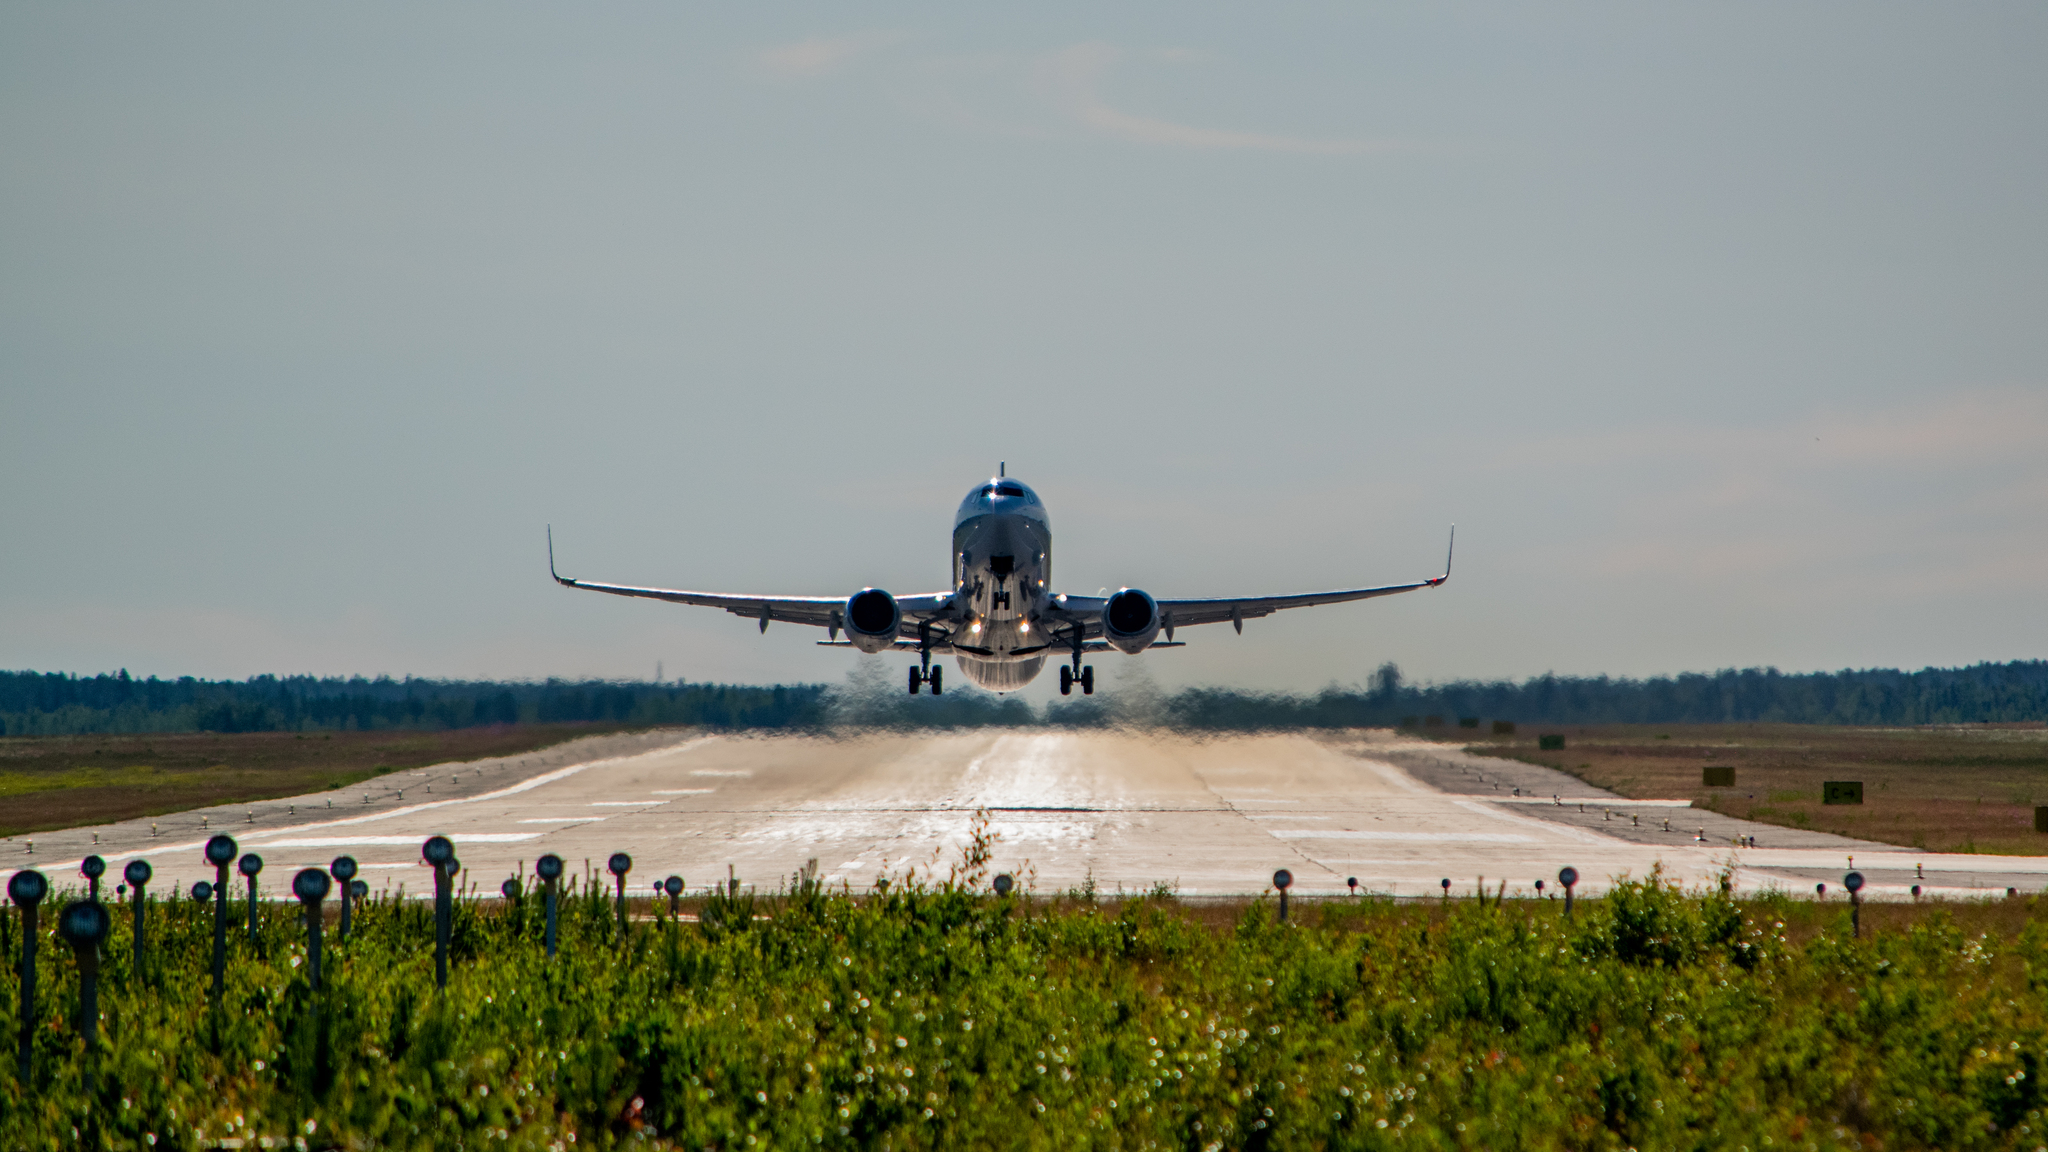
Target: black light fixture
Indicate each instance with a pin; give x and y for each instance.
(439, 853)
(619, 865)
(27, 889)
(344, 869)
(1003, 883)
(1569, 877)
(549, 869)
(84, 925)
(137, 873)
(220, 852)
(1283, 880)
(311, 886)
(251, 865)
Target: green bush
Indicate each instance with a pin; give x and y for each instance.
(937, 1017)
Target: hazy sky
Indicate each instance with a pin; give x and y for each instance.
(1721, 331)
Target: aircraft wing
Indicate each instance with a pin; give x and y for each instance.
(818, 610)
(1238, 609)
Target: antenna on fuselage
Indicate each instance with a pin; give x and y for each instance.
(1000, 465)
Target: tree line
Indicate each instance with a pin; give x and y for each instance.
(1980, 693)
(55, 703)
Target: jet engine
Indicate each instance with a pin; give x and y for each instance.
(872, 619)
(1130, 621)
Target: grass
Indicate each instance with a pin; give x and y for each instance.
(940, 1017)
(1948, 789)
(65, 781)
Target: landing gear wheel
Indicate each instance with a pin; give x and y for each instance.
(1088, 680)
(938, 681)
(915, 679)
(1066, 680)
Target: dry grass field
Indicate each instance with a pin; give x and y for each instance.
(65, 781)
(1947, 789)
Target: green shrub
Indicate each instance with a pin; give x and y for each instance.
(937, 1017)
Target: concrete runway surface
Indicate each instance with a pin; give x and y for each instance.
(1208, 817)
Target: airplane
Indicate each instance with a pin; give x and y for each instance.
(1001, 620)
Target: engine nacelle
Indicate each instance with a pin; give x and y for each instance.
(1130, 621)
(872, 619)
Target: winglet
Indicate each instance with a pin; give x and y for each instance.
(551, 558)
(1448, 552)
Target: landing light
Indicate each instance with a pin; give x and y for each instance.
(1025, 627)
(975, 627)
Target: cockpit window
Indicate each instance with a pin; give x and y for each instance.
(1009, 489)
(988, 490)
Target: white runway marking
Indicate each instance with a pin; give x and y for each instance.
(1421, 837)
(738, 772)
(340, 841)
(564, 819)
(625, 803)
(684, 791)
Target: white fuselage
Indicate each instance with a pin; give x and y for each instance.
(1002, 573)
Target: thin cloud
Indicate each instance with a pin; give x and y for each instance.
(820, 55)
(1073, 77)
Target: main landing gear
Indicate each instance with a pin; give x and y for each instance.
(1068, 675)
(924, 673)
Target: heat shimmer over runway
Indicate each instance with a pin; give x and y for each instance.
(1129, 810)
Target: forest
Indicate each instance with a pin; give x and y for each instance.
(63, 704)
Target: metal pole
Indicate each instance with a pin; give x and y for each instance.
(220, 932)
(442, 926)
(551, 919)
(28, 987)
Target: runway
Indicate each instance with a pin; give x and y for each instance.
(1126, 811)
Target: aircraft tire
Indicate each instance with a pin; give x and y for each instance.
(1088, 680)
(913, 681)
(938, 681)
(1066, 680)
